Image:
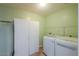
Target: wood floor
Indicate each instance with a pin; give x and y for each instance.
(40, 53)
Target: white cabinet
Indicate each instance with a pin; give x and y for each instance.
(26, 37)
(34, 37)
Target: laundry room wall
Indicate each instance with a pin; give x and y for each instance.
(9, 13)
(63, 22)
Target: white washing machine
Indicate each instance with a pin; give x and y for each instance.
(59, 47)
(48, 46)
(65, 48)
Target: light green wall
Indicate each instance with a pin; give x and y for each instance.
(63, 22)
(9, 13)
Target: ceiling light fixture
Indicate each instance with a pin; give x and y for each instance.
(42, 4)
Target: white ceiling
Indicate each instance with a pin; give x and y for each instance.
(34, 7)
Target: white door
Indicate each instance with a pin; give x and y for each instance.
(33, 37)
(20, 37)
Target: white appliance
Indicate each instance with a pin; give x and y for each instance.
(48, 45)
(26, 37)
(59, 47)
(65, 48)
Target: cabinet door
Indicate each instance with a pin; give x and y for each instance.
(33, 37)
(20, 37)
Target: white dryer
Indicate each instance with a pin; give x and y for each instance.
(48, 46)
